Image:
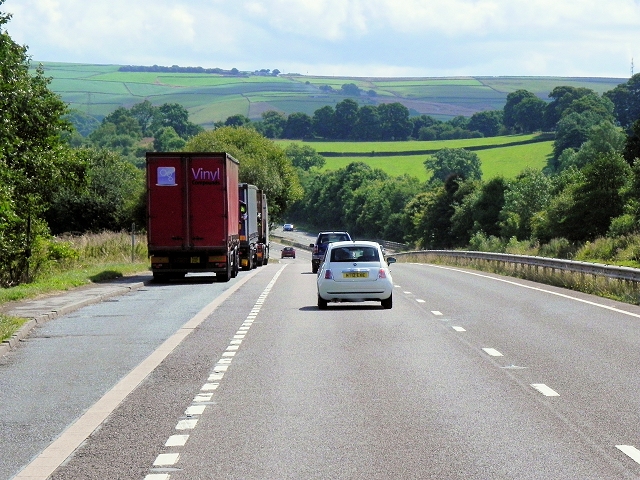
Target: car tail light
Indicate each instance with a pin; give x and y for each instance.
(382, 274)
(328, 275)
(315, 250)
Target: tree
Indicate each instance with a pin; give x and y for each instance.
(528, 114)
(510, 115)
(125, 123)
(526, 195)
(148, 117)
(272, 124)
(322, 122)
(367, 126)
(488, 122)
(167, 140)
(108, 198)
(350, 89)
(304, 156)
(573, 130)
(488, 205)
(344, 118)
(561, 97)
(423, 121)
(262, 163)
(453, 161)
(298, 126)
(237, 120)
(394, 121)
(602, 138)
(632, 145)
(176, 116)
(33, 161)
(83, 122)
(598, 199)
(626, 100)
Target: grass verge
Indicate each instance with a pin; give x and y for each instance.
(61, 282)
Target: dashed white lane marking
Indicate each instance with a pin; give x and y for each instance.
(213, 382)
(459, 329)
(187, 424)
(419, 300)
(165, 459)
(558, 294)
(436, 313)
(546, 391)
(58, 451)
(492, 351)
(407, 293)
(177, 441)
(195, 410)
(630, 451)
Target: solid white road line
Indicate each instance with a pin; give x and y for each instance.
(56, 453)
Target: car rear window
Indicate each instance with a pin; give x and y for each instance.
(334, 237)
(355, 254)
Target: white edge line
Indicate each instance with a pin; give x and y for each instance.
(558, 294)
(57, 452)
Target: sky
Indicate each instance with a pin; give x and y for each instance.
(358, 38)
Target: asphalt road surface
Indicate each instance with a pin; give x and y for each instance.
(469, 376)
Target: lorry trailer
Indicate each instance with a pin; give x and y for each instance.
(193, 209)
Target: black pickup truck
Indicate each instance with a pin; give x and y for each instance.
(323, 239)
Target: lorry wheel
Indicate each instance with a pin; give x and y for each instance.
(160, 277)
(233, 261)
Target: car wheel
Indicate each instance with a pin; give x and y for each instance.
(322, 303)
(387, 302)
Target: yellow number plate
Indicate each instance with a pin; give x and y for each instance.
(355, 274)
(195, 259)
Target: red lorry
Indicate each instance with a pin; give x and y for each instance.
(193, 211)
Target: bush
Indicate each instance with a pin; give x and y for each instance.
(623, 225)
(557, 248)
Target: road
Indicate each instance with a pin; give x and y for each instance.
(469, 376)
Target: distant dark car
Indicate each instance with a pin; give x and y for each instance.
(288, 252)
(288, 227)
(318, 248)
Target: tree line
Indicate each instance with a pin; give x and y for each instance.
(62, 171)
(570, 112)
(590, 187)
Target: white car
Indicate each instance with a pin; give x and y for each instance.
(355, 271)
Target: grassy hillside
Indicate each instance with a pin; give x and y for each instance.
(100, 89)
(506, 156)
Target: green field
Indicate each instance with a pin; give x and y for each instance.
(100, 89)
(503, 160)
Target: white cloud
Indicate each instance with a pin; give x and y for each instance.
(436, 37)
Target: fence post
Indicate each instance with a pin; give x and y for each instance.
(133, 242)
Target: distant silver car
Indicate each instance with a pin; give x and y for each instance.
(287, 227)
(355, 271)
